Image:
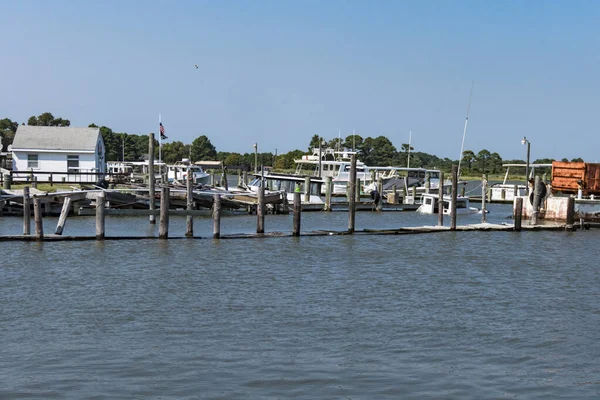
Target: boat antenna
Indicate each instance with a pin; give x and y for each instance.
(465, 130)
(408, 158)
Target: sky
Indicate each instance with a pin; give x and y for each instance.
(277, 72)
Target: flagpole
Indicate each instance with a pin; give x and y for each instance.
(159, 140)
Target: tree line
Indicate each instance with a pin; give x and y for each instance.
(378, 151)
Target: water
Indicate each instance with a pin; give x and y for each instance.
(466, 315)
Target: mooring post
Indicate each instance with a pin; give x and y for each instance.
(427, 182)
(151, 189)
(394, 195)
(37, 215)
(307, 189)
(163, 230)
(245, 177)
(297, 214)
(359, 187)
(380, 191)
(213, 180)
(224, 179)
(352, 196)
(440, 200)
(100, 212)
(454, 198)
(414, 193)
(536, 200)
(328, 189)
(26, 212)
(260, 210)
(216, 211)
(483, 195)
(7, 181)
(50, 180)
(571, 214)
(518, 213)
(189, 218)
(63, 215)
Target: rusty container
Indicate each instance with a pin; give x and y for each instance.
(568, 177)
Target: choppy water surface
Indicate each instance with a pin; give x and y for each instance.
(445, 315)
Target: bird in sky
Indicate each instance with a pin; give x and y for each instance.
(196, 65)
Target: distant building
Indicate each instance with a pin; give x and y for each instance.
(66, 152)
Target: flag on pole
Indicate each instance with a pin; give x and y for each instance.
(162, 132)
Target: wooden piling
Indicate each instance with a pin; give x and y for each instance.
(380, 191)
(536, 200)
(151, 188)
(328, 189)
(352, 196)
(297, 214)
(26, 212)
(427, 182)
(454, 197)
(37, 215)
(518, 213)
(307, 189)
(571, 214)
(100, 216)
(224, 179)
(483, 194)
(440, 200)
(163, 231)
(358, 189)
(63, 216)
(50, 180)
(245, 177)
(7, 181)
(260, 210)
(216, 216)
(189, 219)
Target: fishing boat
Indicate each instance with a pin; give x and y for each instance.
(178, 172)
(430, 203)
(274, 182)
(506, 192)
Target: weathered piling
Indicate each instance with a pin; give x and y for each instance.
(100, 215)
(483, 194)
(26, 211)
(571, 214)
(297, 214)
(7, 181)
(63, 216)
(454, 197)
(536, 200)
(358, 189)
(260, 210)
(427, 182)
(440, 199)
(307, 189)
(245, 177)
(328, 189)
(216, 216)
(380, 192)
(224, 179)
(163, 231)
(37, 215)
(518, 213)
(189, 219)
(151, 189)
(352, 195)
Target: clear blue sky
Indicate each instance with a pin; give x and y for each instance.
(278, 72)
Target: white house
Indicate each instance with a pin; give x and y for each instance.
(75, 154)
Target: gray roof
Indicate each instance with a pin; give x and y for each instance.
(55, 138)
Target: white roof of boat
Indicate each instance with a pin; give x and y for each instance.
(530, 165)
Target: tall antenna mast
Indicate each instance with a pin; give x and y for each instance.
(408, 158)
(465, 130)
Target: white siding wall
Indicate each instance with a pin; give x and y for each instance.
(55, 163)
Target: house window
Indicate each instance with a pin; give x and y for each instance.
(32, 161)
(72, 162)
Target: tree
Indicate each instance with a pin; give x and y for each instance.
(483, 160)
(202, 149)
(468, 158)
(234, 159)
(495, 163)
(8, 129)
(578, 159)
(175, 151)
(353, 142)
(47, 119)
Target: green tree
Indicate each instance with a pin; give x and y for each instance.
(47, 119)
(8, 129)
(353, 142)
(175, 151)
(578, 159)
(483, 161)
(234, 159)
(202, 149)
(468, 158)
(495, 163)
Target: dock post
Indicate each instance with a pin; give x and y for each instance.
(26, 212)
(245, 177)
(414, 193)
(395, 194)
(427, 182)
(483, 195)
(224, 179)
(380, 190)
(352, 196)
(189, 219)
(516, 190)
(454, 197)
(100, 200)
(50, 180)
(63, 216)
(260, 210)
(7, 181)
(163, 229)
(328, 189)
(216, 212)
(212, 179)
(297, 214)
(358, 189)
(536, 200)
(307, 189)
(518, 213)
(571, 214)
(37, 215)
(151, 188)
(440, 200)
(1, 208)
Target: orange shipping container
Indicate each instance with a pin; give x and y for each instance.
(567, 176)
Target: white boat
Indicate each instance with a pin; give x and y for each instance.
(274, 182)
(178, 172)
(131, 171)
(430, 203)
(506, 192)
